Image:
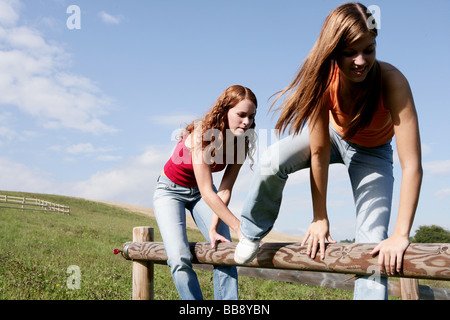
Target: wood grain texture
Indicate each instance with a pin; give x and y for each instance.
(422, 261)
(143, 270)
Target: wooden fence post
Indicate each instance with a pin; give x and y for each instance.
(409, 289)
(143, 281)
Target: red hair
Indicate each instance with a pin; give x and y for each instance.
(217, 118)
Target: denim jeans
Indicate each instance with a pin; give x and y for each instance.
(371, 177)
(170, 202)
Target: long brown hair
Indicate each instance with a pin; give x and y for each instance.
(303, 97)
(217, 118)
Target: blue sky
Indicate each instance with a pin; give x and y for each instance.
(91, 112)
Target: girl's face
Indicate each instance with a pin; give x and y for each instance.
(356, 60)
(241, 117)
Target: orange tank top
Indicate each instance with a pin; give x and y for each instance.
(378, 132)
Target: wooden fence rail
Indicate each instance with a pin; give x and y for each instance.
(22, 203)
(421, 261)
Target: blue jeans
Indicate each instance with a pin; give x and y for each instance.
(371, 176)
(170, 202)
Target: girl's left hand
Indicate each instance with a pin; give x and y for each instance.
(390, 254)
(215, 237)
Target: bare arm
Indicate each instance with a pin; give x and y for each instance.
(216, 201)
(319, 136)
(224, 192)
(399, 99)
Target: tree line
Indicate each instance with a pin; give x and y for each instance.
(425, 234)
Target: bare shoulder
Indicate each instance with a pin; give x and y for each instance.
(397, 93)
(392, 78)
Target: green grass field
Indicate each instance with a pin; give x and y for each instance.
(37, 250)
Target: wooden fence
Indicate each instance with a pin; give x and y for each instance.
(31, 204)
(288, 262)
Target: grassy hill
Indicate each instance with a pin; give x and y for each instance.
(37, 249)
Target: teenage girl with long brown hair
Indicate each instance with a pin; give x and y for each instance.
(220, 141)
(352, 105)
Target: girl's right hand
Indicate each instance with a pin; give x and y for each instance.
(215, 237)
(318, 231)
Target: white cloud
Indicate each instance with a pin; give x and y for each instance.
(174, 121)
(81, 148)
(19, 177)
(8, 12)
(89, 149)
(109, 19)
(6, 134)
(109, 158)
(443, 194)
(34, 78)
(426, 149)
(437, 168)
(131, 182)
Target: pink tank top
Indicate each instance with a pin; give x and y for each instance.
(179, 168)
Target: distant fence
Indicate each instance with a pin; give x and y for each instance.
(288, 262)
(22, 203)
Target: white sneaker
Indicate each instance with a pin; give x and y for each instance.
(246, 250)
